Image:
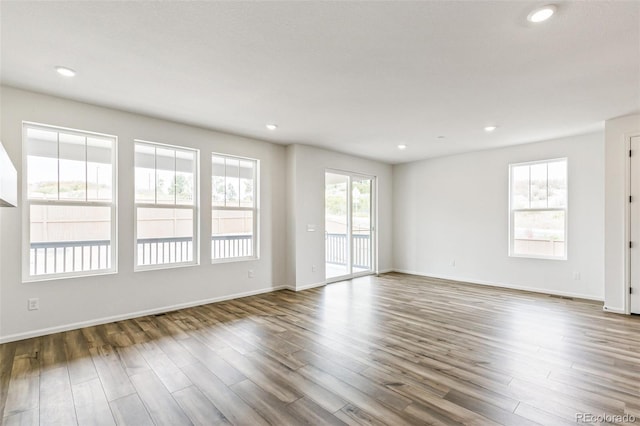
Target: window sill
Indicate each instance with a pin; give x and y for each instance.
(67, 276)
(235, 259)
(531, 256)
(145, 268)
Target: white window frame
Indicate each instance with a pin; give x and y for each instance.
(194, 208)
(564, 209)
(27, 203)
(255, 209)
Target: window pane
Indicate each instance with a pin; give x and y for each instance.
(164, 236)
(185, 166)
(217, 183)
(145, 174)
(361, 205)
(232, 234)
(538, 186)
(247, 171)
(99, 169)
(336, 224)
(42, 164)
(539, 233)
(165, 175)
(217, 180)
(558, 184)
(73, 172)
(360, 224)
(520, 187)
(232, 182)
(69, 239)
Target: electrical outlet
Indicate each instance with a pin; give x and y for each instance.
(576, 276)
(452, 263)
(250, 273)
(313, 268)
(33, 304)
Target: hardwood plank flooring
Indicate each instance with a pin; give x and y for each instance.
(389, 350)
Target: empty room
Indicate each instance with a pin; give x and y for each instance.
(319, 212)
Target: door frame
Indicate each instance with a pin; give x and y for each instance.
(627, 223)
(374, 225)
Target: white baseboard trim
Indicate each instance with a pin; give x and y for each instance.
(614, 310)
(323, 283)
(138, 314)
(309, 286)
(502, 285)
(386, 271)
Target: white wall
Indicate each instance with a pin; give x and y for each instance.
(309, 165)
(291, 216)
(617, 134)
(456, 208)
(8, 180)
(73, 301)
(1, 286)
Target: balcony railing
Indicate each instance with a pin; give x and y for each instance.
(156, 251)
(78, 256)
(159, 251)
(69, 256)
(227, 246)
(336, 250)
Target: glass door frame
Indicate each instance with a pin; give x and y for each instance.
(373, 208)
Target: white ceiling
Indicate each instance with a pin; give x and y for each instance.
(358, 77)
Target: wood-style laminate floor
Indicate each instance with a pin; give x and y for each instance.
(394, 349)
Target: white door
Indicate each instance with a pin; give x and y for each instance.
(634, 210)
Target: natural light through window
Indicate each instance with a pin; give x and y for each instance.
(70, 193)
(166, 205)
(234, 216)
(538, 204)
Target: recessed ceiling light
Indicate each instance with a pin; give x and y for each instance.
(402, 147)
(271, 126)
(67, 72)
(490, 128)
(542, 14)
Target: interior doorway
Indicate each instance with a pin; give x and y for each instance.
(634, 234)
(349, 225)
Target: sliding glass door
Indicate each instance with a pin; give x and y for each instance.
(349, 230)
